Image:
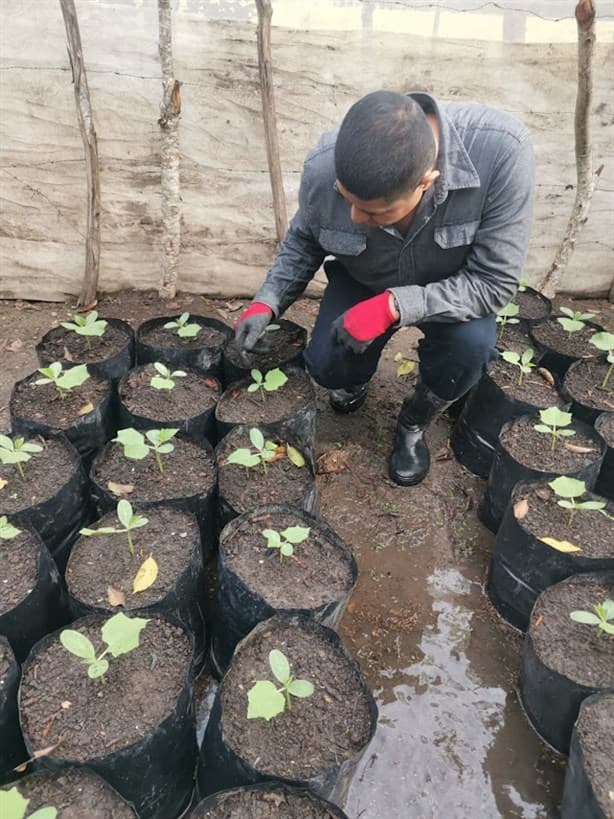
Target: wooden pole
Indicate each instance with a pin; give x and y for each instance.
(170, 110)
(265, 13)
(585, 19)
(89, 285)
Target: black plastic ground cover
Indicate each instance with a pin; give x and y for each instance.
(299, 426)
(522, 566)
(238, 609)
(59, 518)
(605, 481)
(12, 749)
(579, 410)
(551, 701)
(506, 472)
(44, 609)
(156, 773)
(112, 368)
(185, 602)
(217, 800)
(579, 798)
(220, 768)
(234, 372)
(87, 434)
(207, 359)
(558, 363)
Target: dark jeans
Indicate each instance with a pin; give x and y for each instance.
(453, 357)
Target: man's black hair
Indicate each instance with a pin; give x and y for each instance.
(384, 147)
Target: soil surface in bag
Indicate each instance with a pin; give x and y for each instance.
(536, 510)
(76, 793)
(317, 732)
(605, 427)
(58, 701)
(514, 337)
(595, 732)
(574, 650)
(157, 336)
(535, 389)
(583, 382)
(101, 570)
(238, 406)
(318, 572)
(43, 404)
(246, 488)
(532, 305)
(192, 394)
(18, 569)
(188, 470)
(66, 345)
(532, 448)
(576, 345)
(45, 472)
(274, 348)
(272, 803)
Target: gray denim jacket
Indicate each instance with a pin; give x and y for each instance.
(465, 250)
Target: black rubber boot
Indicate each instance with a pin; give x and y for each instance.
(349, 400)
(410, 459)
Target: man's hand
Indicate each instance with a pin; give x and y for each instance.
(361, 324)
(250, 325)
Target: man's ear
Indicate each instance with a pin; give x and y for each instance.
(429, 179)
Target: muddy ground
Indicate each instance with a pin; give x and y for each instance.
(452, 740)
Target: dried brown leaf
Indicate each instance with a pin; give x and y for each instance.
(86, 408)
(36, 755)
(3, 483)
(67, 354)
(580, 449)
(116, 597)
(521, 509)
(443, 454)
(15, 346)
(87, 307)
(331, 462)
(546, 375)
(120, 488)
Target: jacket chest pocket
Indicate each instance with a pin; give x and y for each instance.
(449, 237)
(342, 243)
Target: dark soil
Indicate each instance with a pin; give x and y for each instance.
(605, 427)
(551, 334)
(534, 389)
(318, 572)
(159, 337)
(59, 703)
(260, 804)
(18, 569)
(188, 470)
(515, 337)
(61, 344)
(532, 448)
(100, 561)
(275, 348)
(238, 406)
(192, 395)
(595, 729)
(250, 488)
(43, 404)
(572, 649)
(531, 305)
(76, 794)
(583, 382)
(592, 531)
(45, 472)
(318, 732)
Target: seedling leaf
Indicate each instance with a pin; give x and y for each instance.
(98, 668)
(78, 644)
(296, 534)
(295, 456)
(122, 633)
(43, 813)
(279, 665)
(301, 688)
(257, 438)
(584, 617)
(12, 804)
(7, 530)
(264, 701)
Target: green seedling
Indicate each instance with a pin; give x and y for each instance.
(507, 315)
(63, 380)
(553, 420)
(14, 806)
(524, 362)
(605, 342)
(406, 365)
(17, 452)
(573, 321)
(568, 489)
(286, 541)
(136, 447)
(266, 700)
(7, 530)
(265, 451)
(164, 379)
(270, 328)
(120, 633)
(184, 330)
(522, 286)
(87, 326)
(127, 517)
(604, 613)
(270, 382)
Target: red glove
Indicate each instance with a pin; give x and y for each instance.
(361, 324)
(250, 325)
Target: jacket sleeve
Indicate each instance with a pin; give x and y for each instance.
(299, 257)
(490, 275)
